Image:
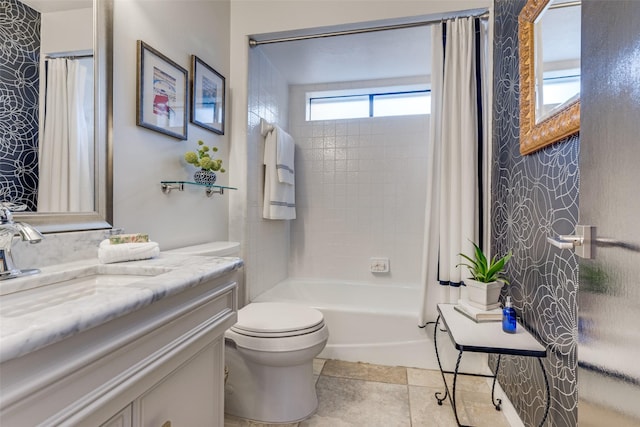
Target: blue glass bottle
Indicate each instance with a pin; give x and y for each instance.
(509, 318)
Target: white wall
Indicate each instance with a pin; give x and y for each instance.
(360, 191)
(67, 31)
(142, 158)
(252, 17)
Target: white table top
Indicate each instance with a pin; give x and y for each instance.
(488, 337)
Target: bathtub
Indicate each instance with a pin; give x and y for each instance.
(372, 323)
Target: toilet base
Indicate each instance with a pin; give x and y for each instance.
(270, 394)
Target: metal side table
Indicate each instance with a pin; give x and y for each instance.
(485, 337)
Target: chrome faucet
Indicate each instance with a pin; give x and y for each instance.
(8, 229)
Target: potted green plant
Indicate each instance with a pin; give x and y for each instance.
(208, 165)
(487, 278)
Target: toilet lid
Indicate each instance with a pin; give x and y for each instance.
(274, 319)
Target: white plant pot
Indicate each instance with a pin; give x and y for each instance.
(485, 296)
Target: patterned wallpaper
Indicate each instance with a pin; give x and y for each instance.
(19, 83)
(535, 196)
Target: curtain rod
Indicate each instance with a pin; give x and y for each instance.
(90, 55)
(254, 43)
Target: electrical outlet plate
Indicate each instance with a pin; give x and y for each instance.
(379, 265)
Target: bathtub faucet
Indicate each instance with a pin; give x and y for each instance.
(8, 229)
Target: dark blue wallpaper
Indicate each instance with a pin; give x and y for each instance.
(534, 196)
(19, 84)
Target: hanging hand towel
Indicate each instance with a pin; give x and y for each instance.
(285, 151)
(279, 197)
(109, 253)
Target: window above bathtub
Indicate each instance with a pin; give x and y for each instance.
(368, 102)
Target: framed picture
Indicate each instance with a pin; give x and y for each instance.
(207, 96)
(162, 93)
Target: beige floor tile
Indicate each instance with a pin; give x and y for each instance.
(474, 408)
(360, 394)
(425, 411)
(231, 421)
(365, 371)
(342, 369)
(433, 379)
(475, 397)
(485, 414)
(326, 421)
(387, 374)
(469, 383)
(318, 364)
(350, 402)
(464, 383)
(424, 377)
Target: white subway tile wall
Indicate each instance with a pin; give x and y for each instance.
(267, 243)
(360, 193)
(360, 189)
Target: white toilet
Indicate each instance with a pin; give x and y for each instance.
(269, 354)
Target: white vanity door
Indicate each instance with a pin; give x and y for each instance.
(121, 419)
(190, 396)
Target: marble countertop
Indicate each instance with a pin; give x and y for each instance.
(35, 313)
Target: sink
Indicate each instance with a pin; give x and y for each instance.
(49, 290)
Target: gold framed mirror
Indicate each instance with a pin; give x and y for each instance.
(540, 128)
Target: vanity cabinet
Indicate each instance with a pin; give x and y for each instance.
(189, 396)
(161, 365)
(121, 419)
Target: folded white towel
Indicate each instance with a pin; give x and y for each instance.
(285, 153)
(108, 253)
(279, 197)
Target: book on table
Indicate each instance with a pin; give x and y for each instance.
(476, 314)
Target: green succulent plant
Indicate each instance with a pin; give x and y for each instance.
(486, 270)
(202, 158)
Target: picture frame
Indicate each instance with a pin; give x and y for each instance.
(207, 96)
(162, 103)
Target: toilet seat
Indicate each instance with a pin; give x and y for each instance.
(285, 334)
(273, 326)
(274, 320)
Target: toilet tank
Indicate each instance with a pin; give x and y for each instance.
(209, 249)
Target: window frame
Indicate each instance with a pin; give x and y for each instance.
(358, 93)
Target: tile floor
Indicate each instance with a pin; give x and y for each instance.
(364, 395)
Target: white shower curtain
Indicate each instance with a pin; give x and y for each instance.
(452, 208)
(65, 183)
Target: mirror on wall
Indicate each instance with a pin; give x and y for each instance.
(56, 154)
(549, 34)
